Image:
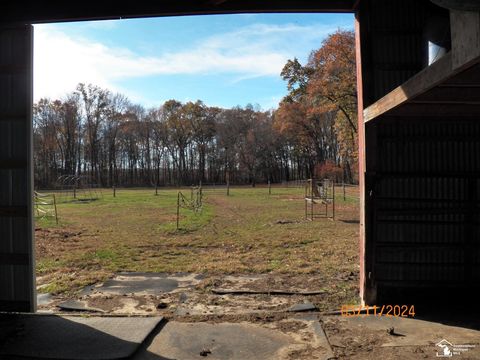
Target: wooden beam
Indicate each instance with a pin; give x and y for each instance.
(22, 11)
(465, 34)
(428, 78)
(430, 87)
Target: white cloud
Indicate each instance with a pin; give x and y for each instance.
(62, 61)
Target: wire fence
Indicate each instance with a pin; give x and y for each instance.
(194, 203)
(45, 205)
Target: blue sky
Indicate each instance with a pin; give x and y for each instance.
(223, 60)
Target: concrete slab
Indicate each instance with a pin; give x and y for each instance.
(145, 284)
(78, 305)
(306, 306)
(218, 341)
(44, 299)
(72, 338)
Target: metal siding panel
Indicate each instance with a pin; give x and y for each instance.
(16, 183)
(398, 50)
(427, 221)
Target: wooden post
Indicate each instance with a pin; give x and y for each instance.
(344, 198)
(269, 188)
(178, 208)
(55, 206)
(228, 187)
(114, 191)
(333, 201)
(311, 198)
(306, 202)
(74, 191)
(36, 203)
(156, 190)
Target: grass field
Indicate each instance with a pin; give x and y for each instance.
(249, 231)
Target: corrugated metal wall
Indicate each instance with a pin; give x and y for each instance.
(393, 48)
(425, 202)
(16, 226)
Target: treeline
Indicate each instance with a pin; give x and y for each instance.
(107, 140)
(320, 110)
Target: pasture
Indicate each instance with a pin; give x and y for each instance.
(249, 231)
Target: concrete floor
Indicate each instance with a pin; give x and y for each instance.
(123, 318)
(298, 336)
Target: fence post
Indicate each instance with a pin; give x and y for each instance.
(344, 199)
(55, 206)
(333, 205)
(269, 188)
(74, 191)
(228, 187)
(312, 208)
(114, 191)
(178, 208)
(156, 190)
(306, 202)
(36, 203)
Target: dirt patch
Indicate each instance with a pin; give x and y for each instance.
(260, 318)
(309, 352)
(290, 326)
(275, 282)
(361, 343)
(50, 242)
(106, 303)
(349, 341)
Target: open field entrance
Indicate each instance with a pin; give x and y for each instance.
(188, 209)
(248, 233)
(184, 229)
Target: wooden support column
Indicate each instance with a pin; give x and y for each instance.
(361, 152)
(465, 30)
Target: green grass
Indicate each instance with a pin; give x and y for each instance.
(247, 232)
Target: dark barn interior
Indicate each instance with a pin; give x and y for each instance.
(421, 151)
(419, 100)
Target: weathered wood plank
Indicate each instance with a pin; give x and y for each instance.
(465, 32)
(428, 78)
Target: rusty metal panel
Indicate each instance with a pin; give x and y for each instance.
(17, 286)
(427, 202)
